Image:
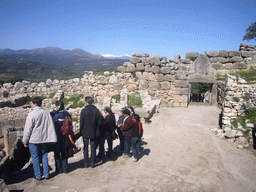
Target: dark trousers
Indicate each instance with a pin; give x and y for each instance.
(121, 138)
(61, 155)
(110, 146)
(93, 151)
(100, 142)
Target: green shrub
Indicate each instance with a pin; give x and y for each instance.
(236, 99)
(251, 114)
(247, 96)
(14, 80)
(117, 97)
(5, 94)
(28, 100)
(134, 100)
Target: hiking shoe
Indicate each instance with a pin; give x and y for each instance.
(135, 160)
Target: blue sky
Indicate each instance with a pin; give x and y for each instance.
(162, 27)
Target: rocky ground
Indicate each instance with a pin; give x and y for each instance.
(180, 153)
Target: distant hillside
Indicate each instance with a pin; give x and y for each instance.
(52, 62)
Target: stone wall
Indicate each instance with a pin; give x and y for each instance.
(238, 95)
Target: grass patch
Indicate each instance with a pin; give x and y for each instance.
(51, 95)
(222, 77)
(117, 97)
(76, 101)
(248, 75)
(75, 120)
(134, 100)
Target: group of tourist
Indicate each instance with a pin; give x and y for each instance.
(43, 128)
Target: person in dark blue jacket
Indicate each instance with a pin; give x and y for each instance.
(60, 150)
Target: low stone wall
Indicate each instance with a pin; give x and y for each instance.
(238, 93)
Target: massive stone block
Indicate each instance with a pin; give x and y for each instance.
(217, 66)
(219, 59)
(246, 53)
(176, 58)
(234, 53)
(145, 60)
(169, 78)
(165, 70)
(223, 53)
(181, 83)
(147, 68)
(121, 69)
(186, 61)
(212, 53)
(191, 55)
(155, 60)
(202, 65)
(155, 69)
(236, 59)
(143, 84)
(159, 77)
(135, 60)
(181, 98)
(154, 86)
(140, 66)
(165, 85)
(132, 87)
(130, 68)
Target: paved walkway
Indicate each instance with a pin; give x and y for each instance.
(180, 154)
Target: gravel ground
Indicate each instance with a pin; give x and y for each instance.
(180, 153)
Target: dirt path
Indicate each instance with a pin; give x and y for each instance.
(181, 154)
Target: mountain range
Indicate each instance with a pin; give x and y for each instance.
(53, 62)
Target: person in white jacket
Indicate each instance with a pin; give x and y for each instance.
(38, 132)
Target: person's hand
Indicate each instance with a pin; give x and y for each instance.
(25, 145)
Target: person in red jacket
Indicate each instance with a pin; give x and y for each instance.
(126, 127)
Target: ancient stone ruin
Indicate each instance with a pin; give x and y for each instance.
(157, 79)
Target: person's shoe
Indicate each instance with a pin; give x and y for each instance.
(39, 179)
(135, 160)
(47, 177)
(126, 156)
(92, 166)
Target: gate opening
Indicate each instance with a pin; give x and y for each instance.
(200, 93)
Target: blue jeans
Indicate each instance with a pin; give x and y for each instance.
(93, 151)
(127, 145)
(39, 154)
(135, 142)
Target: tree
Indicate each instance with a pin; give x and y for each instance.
(250, 32)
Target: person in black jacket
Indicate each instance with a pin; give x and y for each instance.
(119, 131)
(110, 127)
(90, 122)
(61, 149)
